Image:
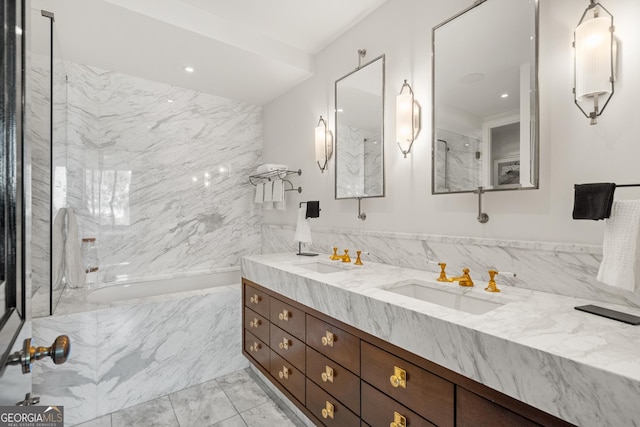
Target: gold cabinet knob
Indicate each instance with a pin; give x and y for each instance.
(254, 323)
(284, 345)
(327, 339)
(327, 375)
(284, 374)
(255, 347)
(254, 299)
(327, 411)
(399, 378)
(398, 421)
(284, 315)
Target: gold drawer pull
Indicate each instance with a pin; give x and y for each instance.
(284, 345)
(284, 374)
(398, 421)
(255, 299)
(328, 339)
(284, 315)
(327, 375)
(327, 411)
(255, 323)
(399, 378)
(255, 347)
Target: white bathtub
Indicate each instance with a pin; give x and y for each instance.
(126, 291)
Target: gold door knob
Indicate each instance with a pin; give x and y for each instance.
(284, 315)
(398, 421)
(59, 353)
(284, 345)
(254, 299)
(254, 323)
(327, 411)
(255, 347)
(327, 339)
(327, 375)
(399, 378)
(284, 374)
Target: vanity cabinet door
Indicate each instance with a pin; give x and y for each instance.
(256, 324)
(475, 411)
(256, 300)
(258, 350)
(329, 410)
(334, 379)
(288, 318)
(334, 343)
(378, 410)
(429, 395)
(291, 378)
(292, 349)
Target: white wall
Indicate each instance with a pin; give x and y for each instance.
(571, 151)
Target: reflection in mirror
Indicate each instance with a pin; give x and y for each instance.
(485, 127)
(359, 132)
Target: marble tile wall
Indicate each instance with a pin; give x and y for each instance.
(563, 269)
(350, 166)
(373, 165)
(457, 169)
(123, 356)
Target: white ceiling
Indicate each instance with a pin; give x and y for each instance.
(249, 50)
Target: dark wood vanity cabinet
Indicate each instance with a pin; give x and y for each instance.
(340, 376)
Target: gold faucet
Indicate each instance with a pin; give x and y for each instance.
(491, 287)
(345, 257)
(443, 275)
(465, 279)
(335, 256)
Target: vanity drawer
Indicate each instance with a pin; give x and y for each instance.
(334, 414)
(288, 376)
(475, 411)
(334, 343)
(256, 300)
(256, 324)
(287, 346)
(258, 350)
(378, 410)
(423, 392)
(334, 379)
(288, 318)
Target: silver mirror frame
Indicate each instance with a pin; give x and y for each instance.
(535, 118)
(336, 136)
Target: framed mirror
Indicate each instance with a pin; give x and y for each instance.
(359, 132)
(485, 98)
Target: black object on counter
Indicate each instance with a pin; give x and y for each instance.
(611, 314)
(313, 209)
(593, 201)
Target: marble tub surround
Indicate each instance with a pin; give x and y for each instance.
(134, 351)
(537, 348)
(560, 268)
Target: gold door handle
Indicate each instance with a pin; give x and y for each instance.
(327, 339)
(284, 315)
(284, 374)
(399, 378)
(327, 411)
(59, 352)
(398, 421)
(254, 299)
(255, 347)
(327, 375)
(284, 345)
(254, 323)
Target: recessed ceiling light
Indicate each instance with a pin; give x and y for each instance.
(504, 95)
(189, 69)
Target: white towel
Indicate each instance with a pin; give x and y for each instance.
(278, 190)
(259, 192)
(303, 229)
(57, 248)
(268, 191)
(74, 271)
(269, 167)
(620, 265)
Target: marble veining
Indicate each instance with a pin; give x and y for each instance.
(537, 348)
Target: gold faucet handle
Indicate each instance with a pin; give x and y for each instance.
(358, 260)
(443, 274)
(346, 257)
(491, 287)
(335, 256)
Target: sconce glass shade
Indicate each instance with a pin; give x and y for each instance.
(407, 119)
(324, 144)
(595, 57)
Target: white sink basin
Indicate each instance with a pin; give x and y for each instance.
(320, 267)
(457, 301)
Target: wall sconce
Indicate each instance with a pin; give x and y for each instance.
(324, 144)
(407, 118)
(595, 51)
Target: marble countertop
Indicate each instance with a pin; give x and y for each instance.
(535, 347)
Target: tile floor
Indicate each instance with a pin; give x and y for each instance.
(239, 399)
